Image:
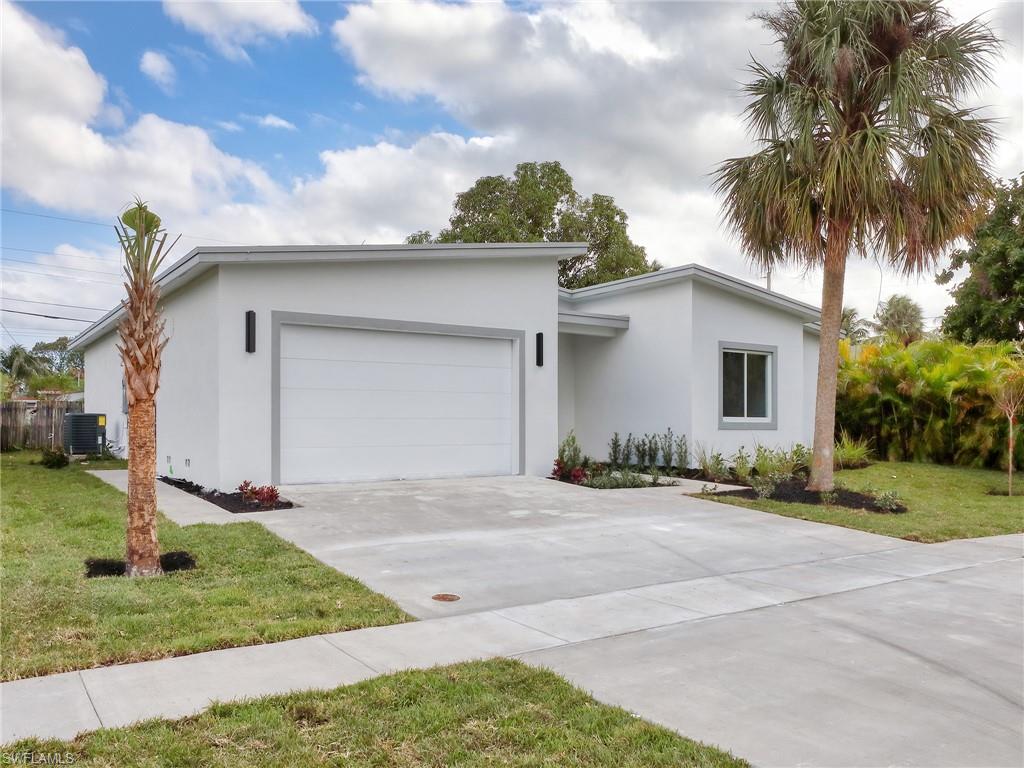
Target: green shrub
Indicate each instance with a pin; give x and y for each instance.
(622, 478)
(711, 464)
(929, 401)
(742, 466)
(682, 453)
(890, 501)
(851, 453)
(54, 459)
(668, 448)
(628, 450)
(763, 485)
(615, 451)
(653, 444)
(570, 465)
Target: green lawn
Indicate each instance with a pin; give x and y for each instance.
(249, 587)
(485, 713)
(944, 503)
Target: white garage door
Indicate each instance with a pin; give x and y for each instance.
(375, 405)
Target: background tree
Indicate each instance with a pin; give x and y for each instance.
(854, 327)
(864, 146)
(989, 303)
(142, 342)
(538, 204)
(899, 318)
(19, 365)
(59, 357)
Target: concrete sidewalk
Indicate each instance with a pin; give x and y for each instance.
(568, 635)
(181, 507)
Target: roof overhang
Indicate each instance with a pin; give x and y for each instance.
(591, 324)
(199, 260)
(702, 274)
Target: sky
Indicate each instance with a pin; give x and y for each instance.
(262, 123)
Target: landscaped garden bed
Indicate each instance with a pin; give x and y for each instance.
(794, 490)
(481, 713)
(248, 587)
(247, 498)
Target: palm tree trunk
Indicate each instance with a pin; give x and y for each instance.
(836, 249)
(142, 552)
(1009, 490)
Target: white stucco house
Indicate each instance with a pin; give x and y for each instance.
(346, 363)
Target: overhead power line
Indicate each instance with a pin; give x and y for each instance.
(102, 224)
(52, 303)
(61, 277)
(39, 314)
(55, 253)
(61, 266)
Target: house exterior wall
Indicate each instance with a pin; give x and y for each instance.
(720, 317)
(566, 384)
(636, 381)
(812, 342)
(516, 294)
(186, 402)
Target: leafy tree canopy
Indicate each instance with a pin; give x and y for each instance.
(538, 204)
(899, 319)
(57, 355)
(989, 303)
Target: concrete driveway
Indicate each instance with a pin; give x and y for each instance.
(785, 641)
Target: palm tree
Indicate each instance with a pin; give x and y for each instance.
(863, 145)
(853, 326)
(900, 318)
(142, 341)
(20, 365)
(1008, 395)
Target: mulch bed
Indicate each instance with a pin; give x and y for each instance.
(794, 490)
(232, 502)
(169, 561)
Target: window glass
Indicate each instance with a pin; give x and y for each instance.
(757, 386)
(732, 383)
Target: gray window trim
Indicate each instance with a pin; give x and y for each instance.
(277, 319)
(736, 346)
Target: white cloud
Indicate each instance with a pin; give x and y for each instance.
(231, 26)
(273, 121)
(54, 156)
(228, 125)
(158, 68)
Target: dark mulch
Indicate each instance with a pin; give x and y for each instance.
(169, 561)
(794, 490)
(232, 502)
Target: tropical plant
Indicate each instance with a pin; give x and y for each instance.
(682, 453)
(54, 458)
(852, 453)
(865, 148)
(854, 327)
(621, 478)
(899, 319)
(1008, 395)
(538, 203)
(142, 342)
(569, 464)
(988, 305)
(653, 443)
(742, 465)
(929, 401)
(668, 448)
(19, 365)
(711, 463)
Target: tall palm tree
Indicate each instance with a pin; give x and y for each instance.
(863, 146)
(20, 365)
(899, 318)
(142, 342)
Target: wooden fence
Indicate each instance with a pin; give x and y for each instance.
(34, 425)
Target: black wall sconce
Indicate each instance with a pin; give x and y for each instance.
(540, 350)
(250, 331)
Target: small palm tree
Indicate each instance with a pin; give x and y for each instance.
(20, 365)
(142, 341)
(900, 319)
(863, 147)
(1008, 395)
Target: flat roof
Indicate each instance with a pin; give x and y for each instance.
(200, 259)
(728, 283)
